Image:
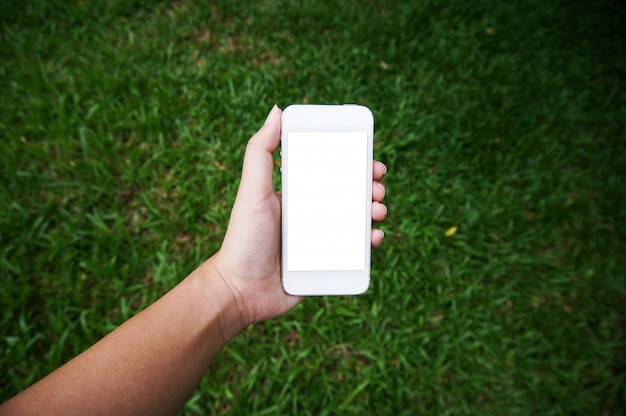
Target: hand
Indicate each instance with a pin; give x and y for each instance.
(249, 260)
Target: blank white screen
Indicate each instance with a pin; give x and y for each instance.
(326, 201)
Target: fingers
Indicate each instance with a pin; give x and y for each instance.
(378, 187)
(377, 238)
(378, 191)
(379, 211)
(258, 162)
(268, 136)
(379, 170)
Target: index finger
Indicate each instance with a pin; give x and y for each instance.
(379, 170)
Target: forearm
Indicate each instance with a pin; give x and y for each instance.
(150, 364)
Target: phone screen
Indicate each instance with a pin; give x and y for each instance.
(326, 199)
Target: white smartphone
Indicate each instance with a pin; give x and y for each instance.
(327, 153)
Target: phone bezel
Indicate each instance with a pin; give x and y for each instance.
(327, 118)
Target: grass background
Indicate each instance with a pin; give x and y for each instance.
(122, 130)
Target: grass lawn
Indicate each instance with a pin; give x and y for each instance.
(122, 130)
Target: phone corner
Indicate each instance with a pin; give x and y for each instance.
(361, 290)
(365, 110)
(289, 109)
(286, 287)
(366, 289)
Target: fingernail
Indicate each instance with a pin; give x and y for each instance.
(271, 115)
(385, 166)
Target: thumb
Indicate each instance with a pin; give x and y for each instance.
(258, 162)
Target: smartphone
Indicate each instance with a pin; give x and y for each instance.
(326, 153)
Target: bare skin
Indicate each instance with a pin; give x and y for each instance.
(151, 364)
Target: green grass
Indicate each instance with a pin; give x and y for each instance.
(122, 130)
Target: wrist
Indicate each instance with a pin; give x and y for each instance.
(226, 301)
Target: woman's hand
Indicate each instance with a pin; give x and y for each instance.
(249, 260)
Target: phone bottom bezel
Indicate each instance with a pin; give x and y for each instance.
(326, 283)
